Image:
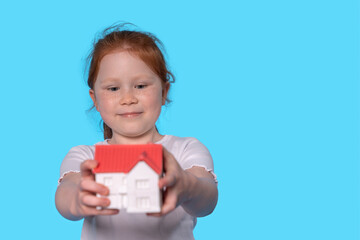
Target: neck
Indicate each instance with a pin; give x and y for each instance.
(149, 137)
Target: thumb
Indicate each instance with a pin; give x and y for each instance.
(168, 180)
(86, 168)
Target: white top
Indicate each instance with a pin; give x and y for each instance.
(178, 224)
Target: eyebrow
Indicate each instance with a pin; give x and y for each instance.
(110, 79)
(137, 77)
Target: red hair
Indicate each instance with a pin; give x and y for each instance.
(144, 45)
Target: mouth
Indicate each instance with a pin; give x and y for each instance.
(130, 114)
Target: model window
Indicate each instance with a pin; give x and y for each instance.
(142, 184)
(124, 201)
(123, 180)
(107, 181)
(143, 202)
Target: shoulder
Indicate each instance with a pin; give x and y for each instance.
(86, 151)
(76, 156)
(81, 152)
(182, 143)
(187, 150)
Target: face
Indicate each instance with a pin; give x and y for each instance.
(128, 95)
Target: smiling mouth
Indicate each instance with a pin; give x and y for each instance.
(130, 114)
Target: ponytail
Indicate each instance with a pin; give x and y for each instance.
(107, 131)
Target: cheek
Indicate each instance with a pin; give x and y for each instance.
(105, 104)
(152, 103)
(153, 99)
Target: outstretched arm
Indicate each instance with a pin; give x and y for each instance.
(194, 188)
(76, 197)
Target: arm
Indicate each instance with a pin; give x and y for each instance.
(194, 189)
(75, 197)
(202, 192)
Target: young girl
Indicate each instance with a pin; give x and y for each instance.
(129, 82)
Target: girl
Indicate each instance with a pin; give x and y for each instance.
(129, 82)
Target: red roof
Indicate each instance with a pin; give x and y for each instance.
(122, 158)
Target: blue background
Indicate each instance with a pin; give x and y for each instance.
(270, 87)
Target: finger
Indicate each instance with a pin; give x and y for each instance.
(169, 204)
(93, 211)
(170, 163)
(154, 214)
(107, 211)
(93, 201)
(168, 180)
(166, 154)
(93, 187)
(87, 166)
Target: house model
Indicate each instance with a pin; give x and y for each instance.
(131, 172)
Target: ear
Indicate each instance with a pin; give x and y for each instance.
(92, 95)
(165, 92)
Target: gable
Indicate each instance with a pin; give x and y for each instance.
(142, 170)
(122, 158)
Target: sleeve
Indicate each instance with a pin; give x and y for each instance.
(74, 158)
(196, 154)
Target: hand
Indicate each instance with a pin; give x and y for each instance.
(175, 182)
(86, 202)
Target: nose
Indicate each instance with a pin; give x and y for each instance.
(128, 97)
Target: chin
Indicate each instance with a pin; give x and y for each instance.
(132, 134)
(134, 131)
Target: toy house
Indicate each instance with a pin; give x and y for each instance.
(131, 172)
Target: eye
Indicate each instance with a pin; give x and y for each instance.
(140, 86)
(113, 89)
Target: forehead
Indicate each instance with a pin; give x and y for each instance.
(123, 63)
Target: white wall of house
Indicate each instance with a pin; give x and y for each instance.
(143, 191)
(117, 184)
(136, 191)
